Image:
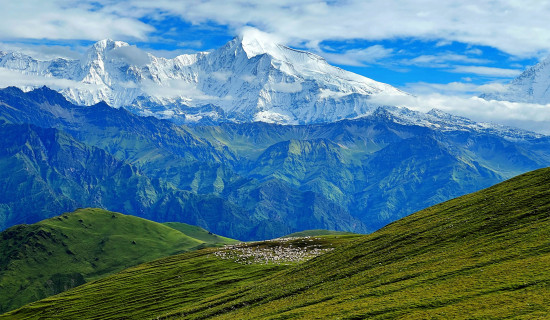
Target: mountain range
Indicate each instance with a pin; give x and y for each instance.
(249, 180)
(248, 79)
(193, 139)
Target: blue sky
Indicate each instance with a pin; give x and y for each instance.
(453, 48)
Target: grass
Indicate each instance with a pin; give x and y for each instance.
(161, 286)
(318, 232)
(481, 256)
(200, 234)
(56, 254)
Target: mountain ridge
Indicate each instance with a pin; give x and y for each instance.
(531, 86)
(248, 78)
(227, 167)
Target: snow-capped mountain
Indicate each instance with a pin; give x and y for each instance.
(532, 86)
(248, 79)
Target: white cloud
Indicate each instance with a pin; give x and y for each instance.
(248, 78)
(221, 75)
(358, 57)
(63, 19)
(287, 87)
(517, 27)
(487, 71)
(463, 89)
(175, 88)
(442, 60)
(131, 54)
(528, 116)
(475, 51)
(44, 52)
(18, 79)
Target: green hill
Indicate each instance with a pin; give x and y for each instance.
(200, 234)
(481, 256)
(59, 253)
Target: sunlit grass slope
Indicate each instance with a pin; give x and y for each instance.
(162, 286)
(53, 255)
(481, 256)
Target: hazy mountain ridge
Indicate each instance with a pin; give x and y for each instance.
(173, 174)
(263, 180)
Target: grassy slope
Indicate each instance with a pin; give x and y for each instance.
(317, 232)
(200, 234)
(160, 286)
(53, 255)
(484, 255)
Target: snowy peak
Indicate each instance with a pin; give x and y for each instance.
(105, 45)
(251, 78)
(255, 42)
(532, 86)
(100, 50)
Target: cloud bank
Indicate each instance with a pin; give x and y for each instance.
(529, 116)
(517, 27)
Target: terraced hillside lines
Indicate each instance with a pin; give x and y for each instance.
(165, 285)
(484, 255)
(59, 253)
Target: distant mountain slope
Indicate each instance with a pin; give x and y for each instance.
(483, 255)
(45, 171)
(59, 253)
(382, 167)
(532, 86)
(248, 79)
(260, 180)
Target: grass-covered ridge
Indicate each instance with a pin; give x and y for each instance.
(480, 256)
(162, 286)
(195, 232)
(59, 253)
